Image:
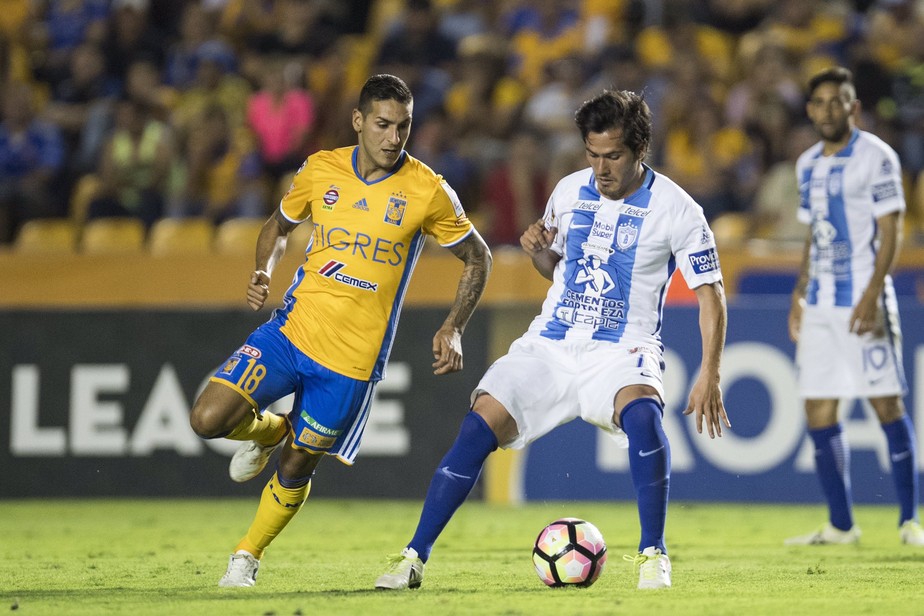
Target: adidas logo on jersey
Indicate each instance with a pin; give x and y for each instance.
(361, 205)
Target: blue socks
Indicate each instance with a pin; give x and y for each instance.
(832, 463)
(453, 480)
(650, 465)
(900, 435)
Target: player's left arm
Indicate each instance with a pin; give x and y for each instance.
(706, 395)
(447, 343)
(866, 315)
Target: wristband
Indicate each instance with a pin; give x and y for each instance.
(264, 272)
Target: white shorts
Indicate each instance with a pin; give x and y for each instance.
(545, 383)
(833, 362)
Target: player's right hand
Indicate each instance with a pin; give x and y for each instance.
(537, 238)
(258, 290)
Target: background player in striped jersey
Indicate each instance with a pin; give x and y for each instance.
(611, 237)
(372, 206)
(844, 314)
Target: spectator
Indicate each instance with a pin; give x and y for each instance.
(81, 108)
(135, 166)
(417, 37)
(216, 84)
(515, 192)
(484, 102)
(64, 25)
(221, 178)
(31, 156)
(777, 199)
(131, 37)
(282, 116)
(433, 145)
(195, 29)
(540, 32)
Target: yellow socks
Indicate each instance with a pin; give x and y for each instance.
(266, 429)
(278, 505)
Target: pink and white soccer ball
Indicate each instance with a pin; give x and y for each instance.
(569, 551)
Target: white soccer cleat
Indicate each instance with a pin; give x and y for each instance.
(242, 571)
(827, 535)
(251, 458)
(911, 533)
(405, 570)
(654, 568)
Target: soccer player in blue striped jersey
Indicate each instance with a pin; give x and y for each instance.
(844, 314)
(611, 237)
(371, 206)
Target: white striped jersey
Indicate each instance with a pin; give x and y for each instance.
(618, 258)
(842, 195)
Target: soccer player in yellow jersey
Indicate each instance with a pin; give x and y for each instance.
(371, 206)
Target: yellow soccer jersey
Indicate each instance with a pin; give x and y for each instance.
(343, 306)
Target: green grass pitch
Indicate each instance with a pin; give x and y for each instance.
(139, 557)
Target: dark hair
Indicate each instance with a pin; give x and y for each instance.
(383, 88)
(617, 109)
(837, 75)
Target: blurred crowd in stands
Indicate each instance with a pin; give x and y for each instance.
(204, 108)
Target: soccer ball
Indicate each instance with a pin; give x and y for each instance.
(569, 551)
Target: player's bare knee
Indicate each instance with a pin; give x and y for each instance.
(297, 463)
(497, 417)
(203, 420)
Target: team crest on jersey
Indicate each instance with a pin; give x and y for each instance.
(626, 234)
(886, 167)
(230, 365)
(394, 212)
(330, 198)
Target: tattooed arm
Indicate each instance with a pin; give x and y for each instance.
(447, 343)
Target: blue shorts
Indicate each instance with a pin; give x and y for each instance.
(330, 410)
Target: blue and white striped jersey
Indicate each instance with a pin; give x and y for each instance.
(618, 258)
(842, 195)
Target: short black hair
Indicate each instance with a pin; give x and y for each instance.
(836, 75)
(621, 109)
(383, 87)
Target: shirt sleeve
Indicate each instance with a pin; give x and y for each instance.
(693, 242)
(885, 183)
(446, 220)
(296, 203)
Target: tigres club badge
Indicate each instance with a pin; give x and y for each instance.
(626, 234)
(394, 213)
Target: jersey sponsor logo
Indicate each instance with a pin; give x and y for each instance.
(626, 235)
(886, 190)
(705, 261)
(638, 212)
(588, 206)
(361, 205)
(318, 427)
(250, 351)
(332, 269)
(394, 211)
